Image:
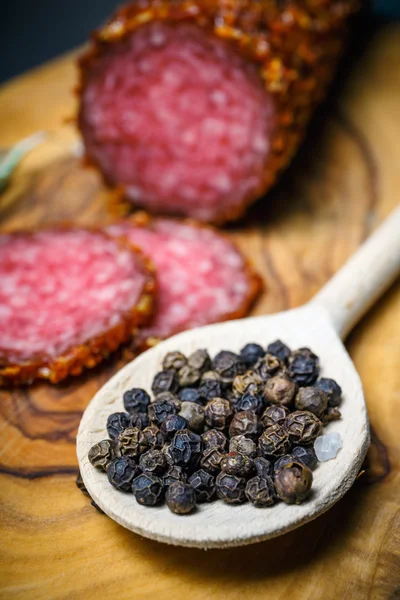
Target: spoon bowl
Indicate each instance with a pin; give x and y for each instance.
(218, 525)
(319, 325)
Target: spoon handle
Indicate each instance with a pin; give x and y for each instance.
(364, 278)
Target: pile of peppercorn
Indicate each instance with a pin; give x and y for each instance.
(238, 427)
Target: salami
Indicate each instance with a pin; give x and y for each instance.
(194, 108)
(68, 297)
(201, 276)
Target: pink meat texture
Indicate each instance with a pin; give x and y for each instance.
(201, 276)
(60, 289)
(179, 119)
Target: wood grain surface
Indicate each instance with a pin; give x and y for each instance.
(345, 180)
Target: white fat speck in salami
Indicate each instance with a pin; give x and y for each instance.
(202, 277)
(67, 297)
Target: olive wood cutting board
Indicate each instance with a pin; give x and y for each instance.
(342, 184)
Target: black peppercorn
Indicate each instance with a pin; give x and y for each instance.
(214, 438)
(161, 409)
(211, 376)
(332, 390)
(274, 442)
(263, 467)
(244, 445)
(231, 488)
(190, 395)
(185, 448)
(218, 413)
(211, 386)
(280, 390)
(250, 353)
(211, 460)
(293, 483)
(165, 381)
(166, 451)
(189, 376)
(203, 484)
(174, 361)
(303, 367)
(311, 399)
(249, 402)
(280, 350)
(194, 415)
(305, 455)
(261, 491)
(303, 427)
(153, 461)
(132, 442)
(249, 383)
(268, 366)
(80, 485)
(154, 436)
(101, 454)
(228, 365)
(282, 461)
(167, 397)
(331, 414)
(171, 425)
(275, 413)
(235, 463)
(245, 423)
(180, 498)
(135, 420)
(121, 472)
(140, 420)
(136, 400)
(117, 422)
(200, 360)
(148, 489)
(173, 474)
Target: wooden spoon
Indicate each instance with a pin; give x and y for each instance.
(320, 325)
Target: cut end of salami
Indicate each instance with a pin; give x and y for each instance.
(68, 297)
(179, 119)
(196, 107)
(202, 277)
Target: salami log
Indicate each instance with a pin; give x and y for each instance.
(201, 276)
(195, 107)
(68, 297)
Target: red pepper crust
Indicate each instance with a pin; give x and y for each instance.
(295, 43)
(95, 350)
(255, 284)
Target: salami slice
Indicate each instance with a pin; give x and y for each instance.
(201, 276)
(68, 297)
(194, 108)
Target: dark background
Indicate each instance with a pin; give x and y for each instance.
(33, 31)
